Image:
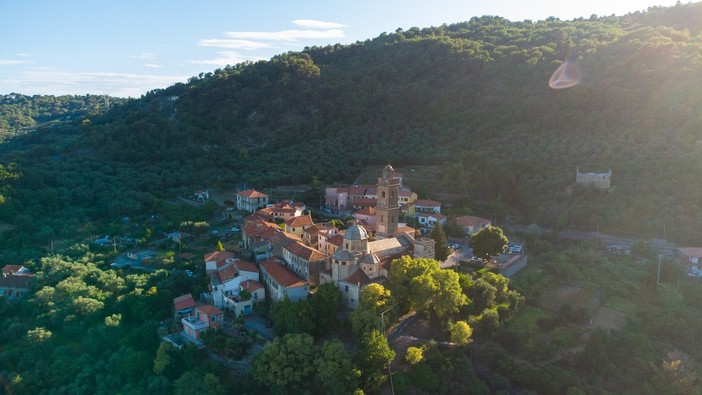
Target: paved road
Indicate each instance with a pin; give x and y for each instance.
(463, 255)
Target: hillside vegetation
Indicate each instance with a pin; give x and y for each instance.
(472, 97)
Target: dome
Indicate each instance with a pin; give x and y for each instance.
(343, 255)
(388, 171)
(356, 232)
(370, 259)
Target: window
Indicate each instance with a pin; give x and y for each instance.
(346, 288)
(213, 318)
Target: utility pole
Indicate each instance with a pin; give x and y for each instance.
(658, 277)
(382, 331)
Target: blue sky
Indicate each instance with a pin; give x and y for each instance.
(126, 48)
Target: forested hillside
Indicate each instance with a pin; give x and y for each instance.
(471, 96)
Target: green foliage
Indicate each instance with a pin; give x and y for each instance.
(414, 355)
(287, 364)
(441, 249)
(373, 301)
(460, 332)
(335, 369)
(488, 242)
(374, 354)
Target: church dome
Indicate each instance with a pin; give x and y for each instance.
(343, 255)
(356, 232)
(370, 259)
(388, 171)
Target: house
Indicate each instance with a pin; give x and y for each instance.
(427, 206)
(406, 196)
(305, 261)
(283, 210)
(282, 282)
(472, 224)
(366, 215)
(184, 304)
(692, 257)
(298, 224)
(14, 269)
(363, 202)
(226, 280)
(251, 200)
(249, 294)
(216, 259)
(15, 286)
(179, 237)
(430, 220)
(203, 318)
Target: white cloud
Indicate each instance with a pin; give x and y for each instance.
(52, 82)
(153, 66)
(313, 24)
(288, 35)
(225, 58)
(25, 55)
(9, 62)
(145, 56)
(233, 43)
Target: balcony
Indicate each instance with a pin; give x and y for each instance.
(193, 323)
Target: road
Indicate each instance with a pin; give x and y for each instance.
(464, 254)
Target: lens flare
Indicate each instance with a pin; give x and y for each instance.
(566, 75)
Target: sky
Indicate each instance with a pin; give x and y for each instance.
(126, 48)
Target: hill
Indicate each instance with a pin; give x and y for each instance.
(472, 97)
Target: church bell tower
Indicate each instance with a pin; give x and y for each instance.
(388, 209)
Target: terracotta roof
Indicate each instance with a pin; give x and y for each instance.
(307, 253)
(226, 274)
(426, 202)
(209, 310)
(363, 202)
(433, 215)
(282, 275)
(691, 251)
(367, 211)
(468, 220)
(16, 281)
(252, 193)
(11, 269)
(218, 256)
(300, 221)
(337, 240)
(251, 285)
(184, 302)
(357, 277)
(246, 266)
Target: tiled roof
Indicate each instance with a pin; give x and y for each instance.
(337, 240)
(691, 251)
(184, 302)
(251, 285)
(282, 275)
(367, 211)
(252, 193)
(226, 274)
(357, 277)
(300, 221)
(209, 309)
(307, 253)
(468, 220)
(218, 256)
(16, 281)
(246, 266)
(11, 269)
(363, 202)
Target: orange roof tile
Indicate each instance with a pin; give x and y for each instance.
(226, 274)
(282, 275)
(251, 285)
(218, 256)
(246, 266)
(252, 193)
(357, 277)
(209, 310)
(468, 220)
(302, 220)
(184, 302)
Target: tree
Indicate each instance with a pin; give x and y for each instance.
(325, 305)
(460, 332)
(441, 249)
(163, 358)
(335, 369)
(374, 355)
(220, 247)
(488, 241)
(374, 299)
(196, 383)
(414, 355)
(287, 364)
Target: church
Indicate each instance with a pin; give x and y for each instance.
(360, 261)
